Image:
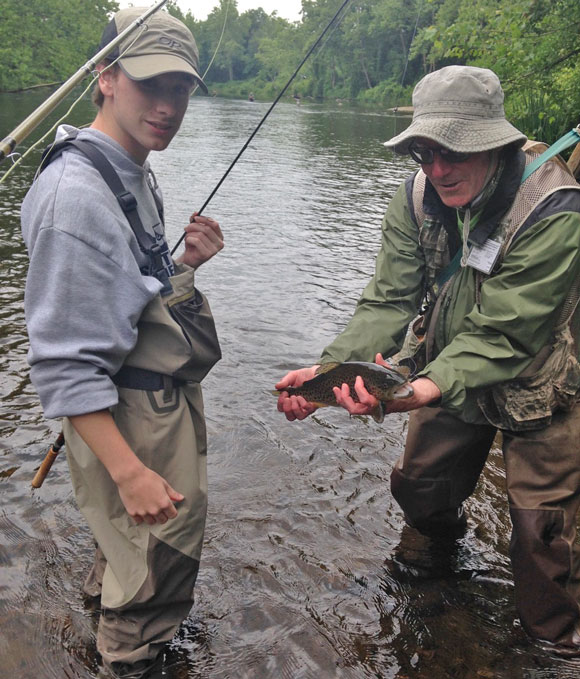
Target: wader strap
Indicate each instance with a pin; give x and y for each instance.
(572, 137)
(430, 333)
(147, 380)
(127, 201)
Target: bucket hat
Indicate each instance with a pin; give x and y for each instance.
(162, 45)
(461, 108)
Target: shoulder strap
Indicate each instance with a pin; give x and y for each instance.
(572, 137)
(418, 194)
(126, 200)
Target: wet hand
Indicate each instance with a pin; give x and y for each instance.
(425, 392)
(203, 240)
(295, 407)
(366, 402)
(148, 498)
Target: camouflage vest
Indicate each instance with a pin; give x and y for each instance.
(552, 381)
(550, 177)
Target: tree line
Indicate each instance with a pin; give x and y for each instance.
(375, 55)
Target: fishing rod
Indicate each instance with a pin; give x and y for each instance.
(245, 146)
(9, 143)
(57, 445)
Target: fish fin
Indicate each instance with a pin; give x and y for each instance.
(378, 413)
(326, 367)
(275, 392)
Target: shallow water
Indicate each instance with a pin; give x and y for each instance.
(307, 569)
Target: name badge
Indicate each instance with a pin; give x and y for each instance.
(483, 257)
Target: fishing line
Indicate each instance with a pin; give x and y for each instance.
(37, 143)
(328, 37)
(245, 146)
(395, 109)
(18, 158)
(411, 43)
(218, 45)
(96, 75)
(399, 303)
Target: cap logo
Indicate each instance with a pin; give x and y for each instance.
(170, 43)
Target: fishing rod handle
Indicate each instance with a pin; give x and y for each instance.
(48, 461)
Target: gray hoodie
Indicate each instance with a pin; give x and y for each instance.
(84, 291)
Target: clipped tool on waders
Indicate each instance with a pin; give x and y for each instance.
(51, 456)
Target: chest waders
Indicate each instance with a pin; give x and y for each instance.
(144, 574)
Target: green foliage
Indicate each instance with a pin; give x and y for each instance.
(48, 40)
(388, 93)
(375, 54)
(542, 118)
(531, 44)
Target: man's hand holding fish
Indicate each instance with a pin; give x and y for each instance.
(295, 407)
(361, 388)
(425, 392)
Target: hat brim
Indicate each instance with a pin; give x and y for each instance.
(458, 134)
(149, 66)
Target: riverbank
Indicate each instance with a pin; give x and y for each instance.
(383, 96)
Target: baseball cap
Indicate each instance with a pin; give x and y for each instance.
(163, 44)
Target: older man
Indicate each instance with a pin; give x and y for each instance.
(491, 257)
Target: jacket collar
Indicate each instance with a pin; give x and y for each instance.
(493, 210)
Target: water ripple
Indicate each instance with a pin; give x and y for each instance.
(307, 571)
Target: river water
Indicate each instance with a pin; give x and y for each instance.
(307, 570)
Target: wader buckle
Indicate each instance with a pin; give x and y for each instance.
(127, 201)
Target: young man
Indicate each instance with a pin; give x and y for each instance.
(499, 260)
(120, 339)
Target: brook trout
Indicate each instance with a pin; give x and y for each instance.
(379, 381)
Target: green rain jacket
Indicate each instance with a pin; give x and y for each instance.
(476, 345)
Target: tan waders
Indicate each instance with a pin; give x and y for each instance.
(439, 469)
(148, 572)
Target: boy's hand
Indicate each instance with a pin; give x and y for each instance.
(203, 240)
(148, 497)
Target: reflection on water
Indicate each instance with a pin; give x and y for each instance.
(307, 570)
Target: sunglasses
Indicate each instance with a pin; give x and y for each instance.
(425, 155)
